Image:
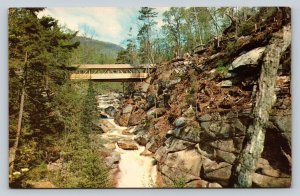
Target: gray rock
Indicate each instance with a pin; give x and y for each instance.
(209, 165)
(220, 175)
(225, 130)
(111, 111)
(240, 128)
(204, 118)
(250, 58)
(155, 112)
(190, 112)
(179, 122)
(152, 145)
(191, 134)
(178, 145)
(150, 101)
(161, 154)
(171, 83)
(112, 159)
(224, 145)
(218, 172)
(225, 83)
(229, 75)
(282, 122)
(142, 138)
(225, 156)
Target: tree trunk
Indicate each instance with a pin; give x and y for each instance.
(12, 151)
(265, 99)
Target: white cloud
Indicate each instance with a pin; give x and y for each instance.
(110, 24)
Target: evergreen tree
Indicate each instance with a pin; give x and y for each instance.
(89, 108)
(38, 56)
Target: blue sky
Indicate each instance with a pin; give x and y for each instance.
(110, 24)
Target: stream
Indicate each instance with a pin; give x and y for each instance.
(135, 170)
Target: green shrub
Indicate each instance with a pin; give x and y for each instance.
(179, 182)
(190, 99)
(246, 28)
(231, 47)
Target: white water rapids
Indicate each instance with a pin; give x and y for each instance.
(135, 170)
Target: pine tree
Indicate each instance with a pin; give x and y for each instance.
(38, 56)
(89, 108)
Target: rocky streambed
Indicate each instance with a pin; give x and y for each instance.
(130, 165)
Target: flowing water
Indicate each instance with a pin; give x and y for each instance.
(135, 170)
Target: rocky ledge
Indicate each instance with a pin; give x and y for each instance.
(199, 114)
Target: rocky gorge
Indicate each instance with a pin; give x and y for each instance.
(128, 163)
(220, 116)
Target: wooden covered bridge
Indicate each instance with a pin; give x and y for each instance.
(111, 72)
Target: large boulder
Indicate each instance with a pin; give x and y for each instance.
(250, 58)
(136, 117)
(225, 156)
(188, 161)
(155, 112)
(189, 133)
(153, 144)
(142, 138)
(178, 145)
(216, 172)
(122, 118)
(176, 177)
(161, 154)
(260, 180)
(127, 109)
(127, 145)
(228, 145)
(221, 128)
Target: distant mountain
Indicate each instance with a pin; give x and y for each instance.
(95, 51)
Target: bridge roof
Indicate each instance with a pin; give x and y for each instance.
(112, 66)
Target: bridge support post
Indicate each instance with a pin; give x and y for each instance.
(123, 88)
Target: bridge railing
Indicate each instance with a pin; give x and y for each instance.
(111, 72)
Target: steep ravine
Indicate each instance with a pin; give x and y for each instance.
(129, 168)
(196, 113)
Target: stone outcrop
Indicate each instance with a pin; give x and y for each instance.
(195, 117)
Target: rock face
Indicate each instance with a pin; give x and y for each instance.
(250, 58)
(195, 118)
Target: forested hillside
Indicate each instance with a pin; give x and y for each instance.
(94, 51)
(47, 113)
